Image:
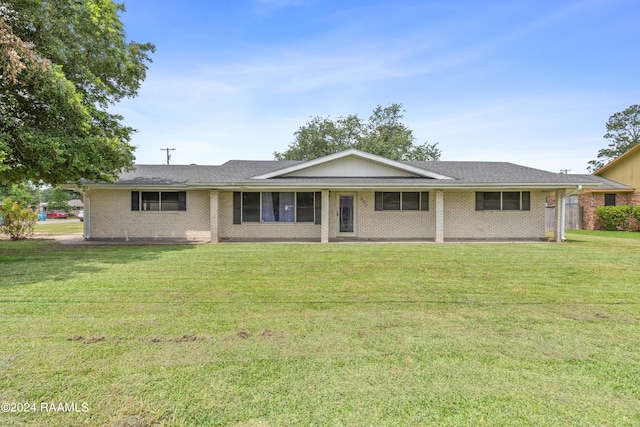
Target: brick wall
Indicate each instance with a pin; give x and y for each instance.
(260, 230)
(590, 201)
(112, 218)
(372, 224)
(462, 221)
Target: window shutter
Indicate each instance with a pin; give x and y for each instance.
(135, 200)
(237, 207)
(424, 201)
(378, 202)
(182, 200)
(479, 201)
(318, 207)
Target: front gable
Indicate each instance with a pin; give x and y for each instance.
(353, 164)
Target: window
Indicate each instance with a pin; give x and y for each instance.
(411, 201)
(276, 207)
(610, 199)
(305, 209)
(390, 201)
(250, 207)
(150, 201)
(503, 200)
(511, 201)
(402, 201)
(159, 200)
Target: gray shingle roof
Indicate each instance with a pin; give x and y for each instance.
(241, 173)
(605, 183)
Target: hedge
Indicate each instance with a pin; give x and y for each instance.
(613, 217)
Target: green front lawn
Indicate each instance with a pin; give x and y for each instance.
(58, 226)
(310, 334)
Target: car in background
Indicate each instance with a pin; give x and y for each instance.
(81, 215)
(57, 214)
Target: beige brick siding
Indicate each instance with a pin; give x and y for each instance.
(112, 218)
(462, 221)
(372, 224)
(258, 230)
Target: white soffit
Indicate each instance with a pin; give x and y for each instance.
(351, 163)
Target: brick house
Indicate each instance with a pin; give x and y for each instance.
(349, 195)
(619, 185)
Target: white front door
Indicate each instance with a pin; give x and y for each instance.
(346, 214)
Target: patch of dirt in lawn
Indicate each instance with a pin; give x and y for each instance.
(88, 340)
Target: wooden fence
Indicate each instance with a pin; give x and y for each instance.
(572, 218)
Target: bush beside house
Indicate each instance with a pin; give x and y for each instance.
(17, 221)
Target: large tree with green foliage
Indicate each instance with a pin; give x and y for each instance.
(623, 132)
(62, 65)
(23, 192)
(383, 134)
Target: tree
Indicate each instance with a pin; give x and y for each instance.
(384, 134)
(23, 193)
(623, 130)
(63, 63)
(58, 199)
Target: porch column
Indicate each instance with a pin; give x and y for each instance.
(324, 217)
(213, 215)
(86, 223)
(439, 216)
(558, 231)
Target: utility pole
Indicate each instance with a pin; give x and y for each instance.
(168, 155)
(565, 171)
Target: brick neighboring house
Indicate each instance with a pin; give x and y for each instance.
(349, 195)
(620, 185)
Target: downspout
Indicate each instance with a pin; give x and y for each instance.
(562, 214)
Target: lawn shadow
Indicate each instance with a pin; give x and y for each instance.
(34, 261)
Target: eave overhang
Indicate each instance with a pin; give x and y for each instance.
(317, 185)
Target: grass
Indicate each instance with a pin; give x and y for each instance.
(308, 334)
(58, 226)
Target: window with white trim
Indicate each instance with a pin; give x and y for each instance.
(503, 201)
(402, 201)
(271, 206)
(158, 200)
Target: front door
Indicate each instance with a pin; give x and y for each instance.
(346, 214)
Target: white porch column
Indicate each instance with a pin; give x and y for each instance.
(324, 217)
(558, 231)
(213, 215)
(86, 225)
(439, 216)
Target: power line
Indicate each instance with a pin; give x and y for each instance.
(168, 154)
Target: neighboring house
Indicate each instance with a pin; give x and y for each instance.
(347, 195)
(76, 204)
(620, 185)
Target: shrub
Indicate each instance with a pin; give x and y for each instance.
(18, 222)
(613, 217)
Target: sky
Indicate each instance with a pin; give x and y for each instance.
(527, 82)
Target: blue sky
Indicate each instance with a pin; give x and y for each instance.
(528, 82)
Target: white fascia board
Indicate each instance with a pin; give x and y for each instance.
(272, 186)
(352, 152)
